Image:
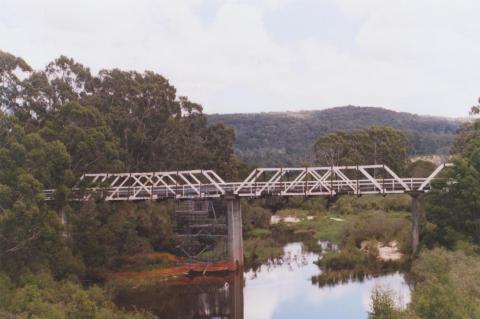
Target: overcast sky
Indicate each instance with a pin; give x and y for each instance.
(420, 56)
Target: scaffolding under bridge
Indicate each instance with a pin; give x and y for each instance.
(201, 230)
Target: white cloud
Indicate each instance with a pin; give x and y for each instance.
(418, 56)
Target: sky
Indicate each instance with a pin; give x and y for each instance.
(418, 56)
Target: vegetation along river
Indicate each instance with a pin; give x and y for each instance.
(281, 288)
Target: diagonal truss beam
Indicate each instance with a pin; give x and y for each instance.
(291, 181)
(429, 179)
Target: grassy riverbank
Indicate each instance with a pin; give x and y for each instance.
(350, 222)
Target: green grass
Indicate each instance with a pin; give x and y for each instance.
(322, 227)
(259, 232)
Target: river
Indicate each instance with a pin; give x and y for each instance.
(277, 290)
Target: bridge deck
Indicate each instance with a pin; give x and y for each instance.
(310, 181)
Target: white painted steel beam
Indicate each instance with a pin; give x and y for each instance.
(289, 181)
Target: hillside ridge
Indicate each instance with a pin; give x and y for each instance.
(287, 138)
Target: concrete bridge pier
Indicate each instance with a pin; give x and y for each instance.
(236, 296)
(234, 225)
(415, 222)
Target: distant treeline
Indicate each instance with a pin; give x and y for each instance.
(281, 139)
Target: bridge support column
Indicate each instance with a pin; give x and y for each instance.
(234, 225)
(236, 296)
(415, 222)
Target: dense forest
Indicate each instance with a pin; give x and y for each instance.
(284, 139)
(59, 123)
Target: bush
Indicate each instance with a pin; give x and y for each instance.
(447, 285)
(354, 205)
(254, 217)
(347, 259)
(384, 306)
(314, 205)
(378, 226)
(39, 296)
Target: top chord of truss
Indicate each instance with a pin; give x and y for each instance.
(306, 181)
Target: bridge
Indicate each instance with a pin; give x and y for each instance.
(298, 181)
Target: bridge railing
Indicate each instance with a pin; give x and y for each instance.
(316, 181)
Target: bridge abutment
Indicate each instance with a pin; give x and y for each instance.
(235, 235)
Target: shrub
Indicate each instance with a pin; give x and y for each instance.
(447, 285)
(354, 205)
(375, 225)
(346, 259)
(254, 217)
(39, 296)
(314, 205)
(384, 305)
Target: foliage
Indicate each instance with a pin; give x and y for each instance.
(447, 285)
(116, 119)
(374, 145)
(420, 168)
(103, 232)
(63, 121)
(286, 139)
(39, 296)
(30, 231)
(348, 258)
(379, 226)
(351, 263)
(259, 232)
(258, 250)
(454, 206)
(254, 217)
(384, 305)
(355, 205)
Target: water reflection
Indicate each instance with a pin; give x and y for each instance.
(279, 289)
(286, 291)
(199, 297)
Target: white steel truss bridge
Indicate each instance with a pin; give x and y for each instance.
(297, 181)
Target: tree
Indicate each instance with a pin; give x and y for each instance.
(30, 231)
(454, 204)
(87, 137)
(375, 145)
(61, 122)
(332, 149)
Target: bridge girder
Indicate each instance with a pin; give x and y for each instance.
(291, 181)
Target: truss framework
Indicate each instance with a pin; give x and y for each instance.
(306, 181)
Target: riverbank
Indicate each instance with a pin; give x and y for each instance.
(389, 231)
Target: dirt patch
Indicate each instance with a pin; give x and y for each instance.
(386, 251)
(389, 251)
(287, 219)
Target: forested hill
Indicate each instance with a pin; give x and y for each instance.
(286, 138)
